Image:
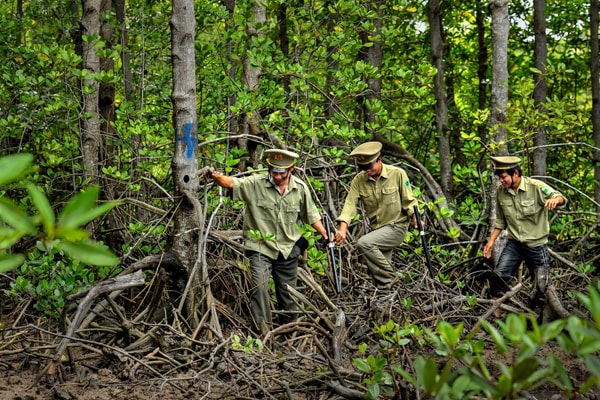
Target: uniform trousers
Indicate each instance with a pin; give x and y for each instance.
(284, 272)
(377, 247)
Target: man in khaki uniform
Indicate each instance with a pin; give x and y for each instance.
(388, 202)
(522, 208)
(276, 202)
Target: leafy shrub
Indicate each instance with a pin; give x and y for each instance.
(64, 259)
(461, 371)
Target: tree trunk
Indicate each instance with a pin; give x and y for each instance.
(91, 140)
(441, 106)
(595, 72)
(185, 162)
(499, 98)
(482, 71)
(251, 79)
(541, 87)
(330, 102)
(232, 118)
(374, 57)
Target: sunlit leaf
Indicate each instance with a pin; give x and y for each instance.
(40, 201)
(10, 261)
(89, 252)
(14, 167)
(82, 209)
(16, 217)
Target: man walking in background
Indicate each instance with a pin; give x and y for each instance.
(276, 202)
(388, 201)
(522, 208)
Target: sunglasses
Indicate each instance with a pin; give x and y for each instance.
(364, 167)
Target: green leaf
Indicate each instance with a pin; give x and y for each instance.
(14, 167)
(16, 217)
(404, 374)
(89, 252)
(43, 206)
(362, 365)
(590, 345)
(550, 330)
(8, 237)
(427, 372)
(496, 337)
(482, 383)
(450, 334)
(523, 370)
(81, 209)
(74, 235)
(10, 261)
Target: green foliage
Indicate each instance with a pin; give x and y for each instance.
(249, 346)
(461, 368)
(63, 260)
(260, 237)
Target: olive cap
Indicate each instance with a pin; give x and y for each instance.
(367, 152)
(505, 162)
(280, 160)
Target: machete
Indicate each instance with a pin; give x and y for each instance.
(424, 241)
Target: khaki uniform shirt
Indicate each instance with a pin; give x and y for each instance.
(388, 200)
(523, 213)
(273, 214)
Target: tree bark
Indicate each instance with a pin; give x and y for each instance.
(251, 78)
(595, 75)
(541, 87)
(185, 124)
(90, 122)
(499, 99)
(373, 56)
(330, 100)
(441, 105)
(482, 71)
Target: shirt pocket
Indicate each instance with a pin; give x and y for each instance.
(292, 209)
(390, 195)
(266, 210)
(528, 207)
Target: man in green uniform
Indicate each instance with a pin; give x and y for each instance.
(522, 208)
(276, 202)
(388, 201)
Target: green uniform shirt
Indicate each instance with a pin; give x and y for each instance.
(523, 213)
(388, 200)
(273, 214)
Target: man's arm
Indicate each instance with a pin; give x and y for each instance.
(321, 229)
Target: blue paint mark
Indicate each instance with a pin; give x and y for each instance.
(189, 140)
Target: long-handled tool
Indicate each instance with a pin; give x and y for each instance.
(424, 241)
(331, 252)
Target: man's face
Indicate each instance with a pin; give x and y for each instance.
(373, 169)
(506, 180)
(280, 177)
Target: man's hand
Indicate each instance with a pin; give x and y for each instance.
(207, 172)
(487, 250)
(340, 235)
(552, 203)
